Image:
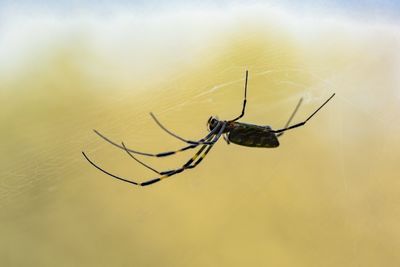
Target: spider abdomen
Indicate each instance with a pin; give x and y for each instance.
(251, 135)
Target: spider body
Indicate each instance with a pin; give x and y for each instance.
(246, 134)
(251, 135)
(239, 133)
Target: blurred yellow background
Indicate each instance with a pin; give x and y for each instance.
(328, 196)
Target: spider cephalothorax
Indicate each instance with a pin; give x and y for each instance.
(212, 123)
(239, 133)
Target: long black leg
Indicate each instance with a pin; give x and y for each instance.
(201, 141)
(291, 116)
(169, 173)
(162, 154)
(201, 158)
(146, 165)
(188, 165)
(176, 171)
(106, 172)
(245, 99)
(304, 122)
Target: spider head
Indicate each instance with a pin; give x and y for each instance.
(212, 122)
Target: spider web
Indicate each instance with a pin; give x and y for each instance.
(334, 179)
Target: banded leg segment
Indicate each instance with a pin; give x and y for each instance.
(188, 165)
(170, 173)
(201, 158)
(162, 154)
(151, 168)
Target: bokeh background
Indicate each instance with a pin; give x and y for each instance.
(328, 196)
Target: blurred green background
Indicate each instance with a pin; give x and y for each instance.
(328, 196)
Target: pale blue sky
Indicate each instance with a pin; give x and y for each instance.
(373, 7)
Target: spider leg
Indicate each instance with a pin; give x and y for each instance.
(188, 165)
(139, 161)
(226, 139)
(201, 141)
(201, 158)
(291, 116)
(106, 172)
(244, 100)
(144, 164)
(304, 122)
(169, 173)
(162, 154)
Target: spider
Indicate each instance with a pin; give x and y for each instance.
(239, 133)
